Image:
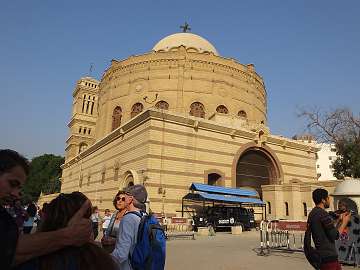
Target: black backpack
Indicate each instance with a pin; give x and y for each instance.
(311, 254)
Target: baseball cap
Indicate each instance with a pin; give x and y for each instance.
(138, 192)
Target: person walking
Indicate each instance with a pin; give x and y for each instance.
(323, 230)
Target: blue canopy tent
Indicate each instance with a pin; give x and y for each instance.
(223, 190)
(206, 194)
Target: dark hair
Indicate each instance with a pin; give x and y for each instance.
(31, 210)
(87, 257)
(60, 210)
(93, 209)
(319, 194)
(115, 201)
(10, 159)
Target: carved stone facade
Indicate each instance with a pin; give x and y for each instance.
(177, 115)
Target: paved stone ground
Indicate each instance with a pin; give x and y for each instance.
(229, 252)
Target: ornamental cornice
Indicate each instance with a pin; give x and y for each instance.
(302, 187)
(261, 133)
(76, 119)
(91, 90)
(170, 59)
(289, 143)
(80, 137)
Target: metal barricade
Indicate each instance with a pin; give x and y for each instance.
(273, 238)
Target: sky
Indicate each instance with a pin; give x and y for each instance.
(306, 51)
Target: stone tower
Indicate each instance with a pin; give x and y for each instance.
(84, 115)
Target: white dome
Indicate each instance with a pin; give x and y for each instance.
(348, 188)
(188, 40)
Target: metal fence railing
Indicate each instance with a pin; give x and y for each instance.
(273, 237)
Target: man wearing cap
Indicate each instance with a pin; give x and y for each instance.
(135, 198)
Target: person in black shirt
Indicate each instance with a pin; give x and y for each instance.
(15, 248)
(323, 230)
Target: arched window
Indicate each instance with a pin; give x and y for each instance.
(286, 209)
(136, 109)
(80, 180)
(242, 114)
(88, 179)
(305, 209)
(162, 105)
(116, 171)
(83, 104)
(222, 109)
(269, 207)
(214, 179)
(129, 179)
(82, 147)
(116, 118)
(197, 109)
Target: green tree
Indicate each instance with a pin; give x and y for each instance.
(348, 162)
(342, 128)
(44, 176)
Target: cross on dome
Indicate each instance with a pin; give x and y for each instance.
(185, 27)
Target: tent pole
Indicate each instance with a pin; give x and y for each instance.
(182, 207)
(264, 206)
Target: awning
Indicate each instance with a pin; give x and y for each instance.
(202, 196)
(223, 190)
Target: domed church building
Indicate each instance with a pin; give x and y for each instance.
(181, 114)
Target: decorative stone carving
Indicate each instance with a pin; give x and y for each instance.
(139, 88)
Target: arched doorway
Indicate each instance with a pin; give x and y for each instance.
(255, 167)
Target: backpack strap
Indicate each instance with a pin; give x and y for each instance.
(139, 214)
(142, 216)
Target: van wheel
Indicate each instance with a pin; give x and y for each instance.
(241, 225)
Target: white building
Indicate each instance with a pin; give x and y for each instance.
(324, 157)
(324, 162)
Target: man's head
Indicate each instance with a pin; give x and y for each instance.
(135, 196)
(342, 206)
(14, 169)
(321, 197)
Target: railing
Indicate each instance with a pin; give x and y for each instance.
(288, 236)
(273, 236)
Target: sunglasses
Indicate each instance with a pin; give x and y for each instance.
(118, 198)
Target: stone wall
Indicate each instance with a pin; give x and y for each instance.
(168, 151)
